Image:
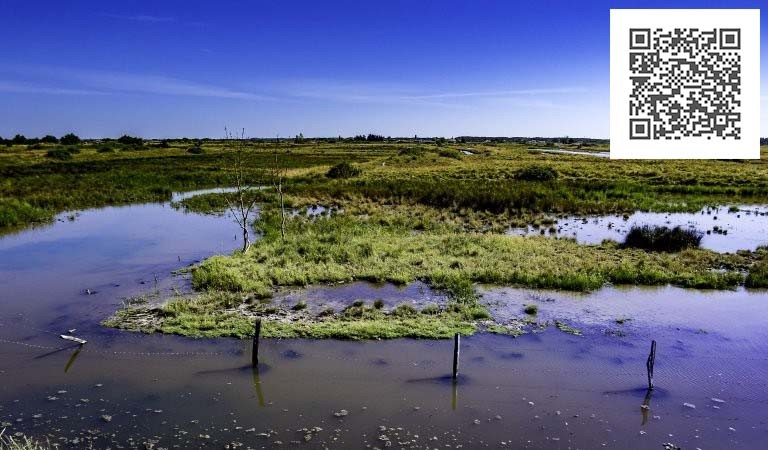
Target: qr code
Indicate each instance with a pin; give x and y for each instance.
(685, 82)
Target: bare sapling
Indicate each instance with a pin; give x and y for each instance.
(242, 200)
(278, 174)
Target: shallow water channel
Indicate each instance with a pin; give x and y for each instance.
(547, 389)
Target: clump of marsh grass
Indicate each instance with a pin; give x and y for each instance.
(343, 170)
(537, 172)
(449, 153)
(758, 275)
(404, 310)
(8, 442)
(662, 239)
(531, 310)
(327, 312)
(16, 212)
(59, 153)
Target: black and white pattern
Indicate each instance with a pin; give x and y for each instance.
(685, 82)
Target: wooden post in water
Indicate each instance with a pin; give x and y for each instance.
(649, 364)
(256, 334)
(456, 343)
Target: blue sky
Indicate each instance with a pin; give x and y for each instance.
(322, 68)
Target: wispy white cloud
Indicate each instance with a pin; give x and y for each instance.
(139, 18)
(73, 81)
(398, 94)
(25, 88)
(507, 93)
(56, 80)
(154, 84)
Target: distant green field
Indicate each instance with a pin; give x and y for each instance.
(34, 186)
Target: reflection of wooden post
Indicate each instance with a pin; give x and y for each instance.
(455, 395)
(257, 384)
(649, 364)
(456, 343)
(73, 358)
(646, 406)
(256, 334)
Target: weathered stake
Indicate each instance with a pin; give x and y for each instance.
(649, 364)
(256, 334)
(456, 343)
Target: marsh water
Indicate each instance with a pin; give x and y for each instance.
(547, 389)
(723, 229)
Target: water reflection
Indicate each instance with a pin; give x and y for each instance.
(73, 358)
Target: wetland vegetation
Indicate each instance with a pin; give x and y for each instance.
(393, 211)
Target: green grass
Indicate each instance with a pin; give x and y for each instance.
(216, 314)
(93, 179)
(501, 178)
(346, 248)
(661, 238)
(758, 273)
(8, 442)
(381, 245)
(411, 211)
(14, 213)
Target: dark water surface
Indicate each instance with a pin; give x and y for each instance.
(543, 390)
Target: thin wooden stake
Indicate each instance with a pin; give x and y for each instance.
(649, 364)
(256, 335)
(456, 344)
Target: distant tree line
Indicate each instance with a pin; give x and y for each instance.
(20, 139)
(132, 141)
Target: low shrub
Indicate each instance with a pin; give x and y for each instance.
(449, 153)
(537, 172)
(70, 139)
(302, 305)
(662, 239)
(404, 310)
(59, 153)
(15, 212)
(196, 150)
(130, 140)
(758, 275)
(343, 170)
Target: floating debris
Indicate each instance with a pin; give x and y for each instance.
(74, 339)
